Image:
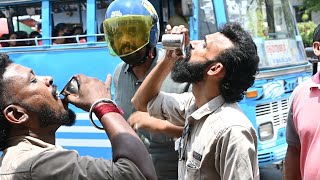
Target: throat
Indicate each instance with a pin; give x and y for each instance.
(141, 71)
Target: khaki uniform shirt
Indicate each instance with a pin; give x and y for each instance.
(29, 158)
(219, 141)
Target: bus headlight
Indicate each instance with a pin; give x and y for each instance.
(266, 131)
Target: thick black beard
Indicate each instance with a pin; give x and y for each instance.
(47, 117)
(184, 71)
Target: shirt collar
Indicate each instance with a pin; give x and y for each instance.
(207, 108)
(13, 141)
(315, 81)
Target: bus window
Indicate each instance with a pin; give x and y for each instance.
(271, 25)
(3, 26)
(100, 17)
(20, 22)
(207, 20)
(4, 32)
(67, 20)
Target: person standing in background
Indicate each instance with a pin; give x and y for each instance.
(303, 135)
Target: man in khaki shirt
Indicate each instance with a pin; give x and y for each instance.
(31, 113)
(219, 141)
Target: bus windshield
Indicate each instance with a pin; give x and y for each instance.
(271, 24)
(207, 19)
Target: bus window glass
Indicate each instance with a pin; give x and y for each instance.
(271, 24)
(68, 20)
(100, 17)
(22, 22)
(4, 31)
(207, 20)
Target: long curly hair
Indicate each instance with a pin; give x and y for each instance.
(4, 124)
(240, 62)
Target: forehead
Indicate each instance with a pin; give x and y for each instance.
(16, 71)
(219, 40)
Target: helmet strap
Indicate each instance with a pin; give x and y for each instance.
(148, 54)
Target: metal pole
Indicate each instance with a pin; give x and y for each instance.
(91, 21)
(46, 22)
(18, 25)
(315, 68)
(80, 13)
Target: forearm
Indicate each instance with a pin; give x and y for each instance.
(163, 126)
(126, 144)
(142, 120)
(292, 164)
(171, 129)
(151, 85)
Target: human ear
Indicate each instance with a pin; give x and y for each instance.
(15, 114)
(216, 69)
(316, 48)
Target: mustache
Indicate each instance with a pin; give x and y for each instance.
(125, 47)
(54, 91)
(188, 50)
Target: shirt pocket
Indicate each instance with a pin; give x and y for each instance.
(192, 170)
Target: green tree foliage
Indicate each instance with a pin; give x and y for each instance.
(306, 31)
(311, 5)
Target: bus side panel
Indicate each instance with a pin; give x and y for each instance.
(61, 65)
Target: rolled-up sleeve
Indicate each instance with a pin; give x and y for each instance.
(69, 165)
(292, 136)
(170, 106)
(236, 154)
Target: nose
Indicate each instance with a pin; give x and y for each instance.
(47, 80)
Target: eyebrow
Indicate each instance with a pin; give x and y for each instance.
(205, 40)
(30, 73)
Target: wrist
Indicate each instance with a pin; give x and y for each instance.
(102, 107)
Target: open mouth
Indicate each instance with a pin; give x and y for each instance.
(188, 50)
(55, 92)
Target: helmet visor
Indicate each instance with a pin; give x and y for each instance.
(127, 34)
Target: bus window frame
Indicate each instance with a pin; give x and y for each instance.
(91, 21)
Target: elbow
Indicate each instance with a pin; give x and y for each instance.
(137, 105)
(134, 102)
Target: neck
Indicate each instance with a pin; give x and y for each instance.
(141, 71)
(204, 93)
(47, 134)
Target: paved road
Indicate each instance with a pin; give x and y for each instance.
(270, 173)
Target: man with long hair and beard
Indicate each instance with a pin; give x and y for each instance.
(132, 31)
(218, 141)
(31, 113)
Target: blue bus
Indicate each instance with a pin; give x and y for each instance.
(283, 63)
